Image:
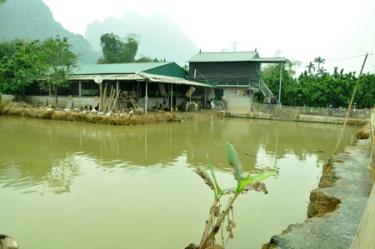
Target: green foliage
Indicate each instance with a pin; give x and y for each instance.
(117, 51)
(316, 87)
(217, 190)
(23, 62)
(148, 59)
(2, 1)
(60, 62)
(254, 178)
(243, 182)
(20, 65)
(234, 161)
(217, 216)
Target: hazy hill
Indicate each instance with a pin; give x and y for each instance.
(32, 19)
(159, 36)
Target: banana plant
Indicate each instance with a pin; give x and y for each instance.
(217, 215)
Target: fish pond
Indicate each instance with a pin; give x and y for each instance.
(78, 185)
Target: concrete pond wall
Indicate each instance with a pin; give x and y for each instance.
(365, 238)
(336, 207)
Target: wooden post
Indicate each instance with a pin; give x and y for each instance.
(117, 87)
(79, 89)
(171, 106)
(100, 97)
(146, 97)
(280, 82)
(175, 90)
(205, 98)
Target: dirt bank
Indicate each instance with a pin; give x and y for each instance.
(336, 206)
(26, 110)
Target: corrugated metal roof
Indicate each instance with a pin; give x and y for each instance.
(270, 60)
(123, 68)
(172, 80)
(224, 56)
(234, 57)
(140, 77)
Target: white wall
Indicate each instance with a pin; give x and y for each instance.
(236, 102)
(155, 101)
(63, 101)
(75, 102)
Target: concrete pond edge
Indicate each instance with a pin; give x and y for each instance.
(336, 206)
(295, 117)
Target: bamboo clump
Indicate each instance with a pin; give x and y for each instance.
(108, 99)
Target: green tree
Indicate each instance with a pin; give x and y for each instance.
(117, 51)
(322, 89)
(147, 59)
(21, 64)
(311, 68)
(365, 97)
(59, 61)
(271, 76)
(320, 61)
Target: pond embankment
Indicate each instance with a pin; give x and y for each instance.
(26, 110)
(336, 206)
(294, 114)
(295, 117)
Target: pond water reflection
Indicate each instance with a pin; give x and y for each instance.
(80, 185)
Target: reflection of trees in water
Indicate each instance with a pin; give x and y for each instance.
(38, 149)
(61, 176)
(277, 139)
(57, 178)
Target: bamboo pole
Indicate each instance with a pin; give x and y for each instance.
(349, 107)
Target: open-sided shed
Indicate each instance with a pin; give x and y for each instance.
(154, 84)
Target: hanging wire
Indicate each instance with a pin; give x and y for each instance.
(346, 58)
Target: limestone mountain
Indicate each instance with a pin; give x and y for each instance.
(159, 36)
(32, 19)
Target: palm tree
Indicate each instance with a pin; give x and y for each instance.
(319, 60)
(310, 67)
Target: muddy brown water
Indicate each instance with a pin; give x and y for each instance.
(77, 185)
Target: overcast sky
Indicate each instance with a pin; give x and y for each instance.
(300, 29)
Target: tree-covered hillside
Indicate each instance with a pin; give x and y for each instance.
(32, 19)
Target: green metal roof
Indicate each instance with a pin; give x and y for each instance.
(224, 56)
(123, 68)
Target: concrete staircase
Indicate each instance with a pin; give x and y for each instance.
(267, 93)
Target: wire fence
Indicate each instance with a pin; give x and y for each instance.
(317, 111)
